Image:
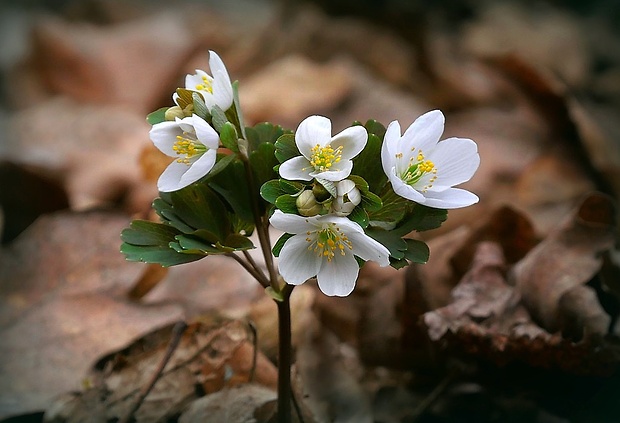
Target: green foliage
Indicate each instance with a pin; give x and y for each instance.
(286, 148)
(228, 137)
(262, 161)
(200, 108)
(368, 164)
(218, 118)
(280, 243)
(271, 190)
(150, 242)
(157, 116)
(231, 185)
(264, 132)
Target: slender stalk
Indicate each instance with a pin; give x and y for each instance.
(256, 273)
(253, 263)
(285, 355)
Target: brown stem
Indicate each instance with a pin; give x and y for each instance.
(285, 355)
(251, 270)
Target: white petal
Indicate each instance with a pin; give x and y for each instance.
(199, 168)
(406, 191)
(344, 187)
(297, 168)
(217, 66)
(297, 264)
(292, 223)
(186, 124)
(205, 133)
(353, 140)
(452, 198)
(368, 249)
(338, 277)
(456, 160)
(164, 135)
(170, 179)
(389, 147)
(341, 171)
(191, 81)
(222, 90)
(424, 133)
(311, 131)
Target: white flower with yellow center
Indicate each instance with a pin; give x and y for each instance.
(193, 142)
(323, 156)
(216, 89)
(325, 247)
(423, 169)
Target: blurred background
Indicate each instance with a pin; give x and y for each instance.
(535, 83)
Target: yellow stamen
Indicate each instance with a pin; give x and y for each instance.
(187, 148)
(323, 158)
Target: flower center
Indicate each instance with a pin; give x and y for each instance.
(418, 167)
(323, 158)
(330, 240)
(187, 148)
(206, 85)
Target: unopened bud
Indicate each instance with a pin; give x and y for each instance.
(174, 112)
(307, 205)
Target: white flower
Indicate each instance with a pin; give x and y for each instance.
(216, 89)
(423, 169)
(193, 142)
(325, 247)
(323, 156)
(348, 197)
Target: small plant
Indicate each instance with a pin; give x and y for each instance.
(340, 200)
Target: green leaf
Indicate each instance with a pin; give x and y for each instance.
(263, 160)
(376, 128)
(189, 242)
(286, 148)
(390, 240)
(218, 118)
(200, 108)
(417, 251)
(223, 160)
(287, 203)
(201, 208)
(359, 216)
(157, 116)
(371, 202)
(149, 242)
(144, 232)
(228, 136)
(280, 243)
(264, 132)
(394, 209)
(163, 255)
(231, 185)
(271, 190)
(421, 218)
(368, 165)
(238, 242)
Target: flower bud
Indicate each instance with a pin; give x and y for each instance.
(307, 205)
(174, 112)
(320, 193)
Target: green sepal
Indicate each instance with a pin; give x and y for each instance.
(228, 136)
(200, 108)
(218, 118)
(157, 116)
(286, 148)
(277, 247)
(234, 113)
(185, 98)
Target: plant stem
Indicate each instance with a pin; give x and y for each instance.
(252, 270)
(285, 355)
